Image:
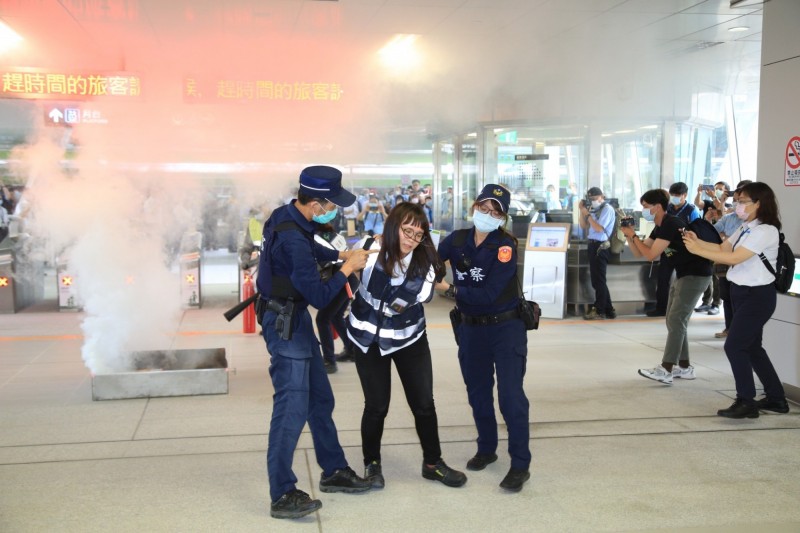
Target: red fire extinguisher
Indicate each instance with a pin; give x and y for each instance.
(249, 314)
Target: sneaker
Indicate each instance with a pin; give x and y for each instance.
(374, 475)
(740, 409)
(293, 504)
(480, 461)
(683, 373)
(702, 309)
(441, 472)
(611, 313)
(721, 334)
(655, 312)
(713, 310)
(343, 480)
(515, 479)
(594, 315)
(658, 373)
(330, 367)
(774, 406)
(346, 355)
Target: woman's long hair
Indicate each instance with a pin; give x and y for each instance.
(767, 203)
(424, 255)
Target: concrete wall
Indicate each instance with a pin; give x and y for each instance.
(779, 121)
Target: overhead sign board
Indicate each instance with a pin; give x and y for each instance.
(72, 115)
(531, 157)
(29, 83)
(200, 90)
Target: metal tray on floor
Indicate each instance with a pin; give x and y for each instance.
(161, 373)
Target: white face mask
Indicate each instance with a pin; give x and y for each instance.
(719, 193)
(484, 222)
(596, 203)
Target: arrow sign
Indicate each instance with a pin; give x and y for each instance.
(56, 115)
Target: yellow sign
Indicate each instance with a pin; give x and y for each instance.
(35, 83)
(264, 90)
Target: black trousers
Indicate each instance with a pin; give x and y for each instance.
(725, 294)
(752, 307)
(333, 315)
(598, 265)
(416, 374)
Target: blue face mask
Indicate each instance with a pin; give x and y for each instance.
(484, 222)
(675, 200)
(325, 218)
(648, 215)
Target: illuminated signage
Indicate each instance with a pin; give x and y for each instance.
(37, 84)
(65, 115)
(195, 90)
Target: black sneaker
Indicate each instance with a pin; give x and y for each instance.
(441, 472)
(515, 479)
(374, 475)
(656, 312)
(611, 313)
(330, 367)
(713, 310)
(740, 409)
(703, 308)
(480, 461)
(346, 355)
(293, 504)
(343, 480)
(775, 406)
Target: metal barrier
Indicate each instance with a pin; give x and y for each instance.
(191, 250)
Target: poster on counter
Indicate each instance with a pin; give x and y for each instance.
(791, 177)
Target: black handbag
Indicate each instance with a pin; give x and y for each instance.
(529, 311)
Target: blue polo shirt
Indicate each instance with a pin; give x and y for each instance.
(295, 255)
(604, 217)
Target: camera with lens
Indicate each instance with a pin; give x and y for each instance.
(587, 202)
(627, 222)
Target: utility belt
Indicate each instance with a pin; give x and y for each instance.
(488, 320)
(284, 308)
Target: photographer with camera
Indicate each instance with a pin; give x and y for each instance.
(598, 217)
(373, 216)
(288, 282)
(693, 276)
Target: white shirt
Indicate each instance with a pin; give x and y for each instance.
(758, 238)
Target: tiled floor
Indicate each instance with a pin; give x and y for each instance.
(612, 451)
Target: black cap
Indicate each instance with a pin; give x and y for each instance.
(325, 182)
(495, 192)
(594, 191)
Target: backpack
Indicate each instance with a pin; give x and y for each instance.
(784, 271)
(617, 239)
(704, 230)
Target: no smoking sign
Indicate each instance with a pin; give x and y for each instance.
(792, 176)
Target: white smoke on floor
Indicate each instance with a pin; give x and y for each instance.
(113, 230)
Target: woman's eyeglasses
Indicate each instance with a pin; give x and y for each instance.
(483, 208)
(413, 235)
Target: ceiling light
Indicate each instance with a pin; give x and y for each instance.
(739, 28)
(651, 127)
(400, 54)
(624, 131)
(8, 38)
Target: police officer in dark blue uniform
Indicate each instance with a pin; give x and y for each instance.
(491, 335)
(288, 283)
